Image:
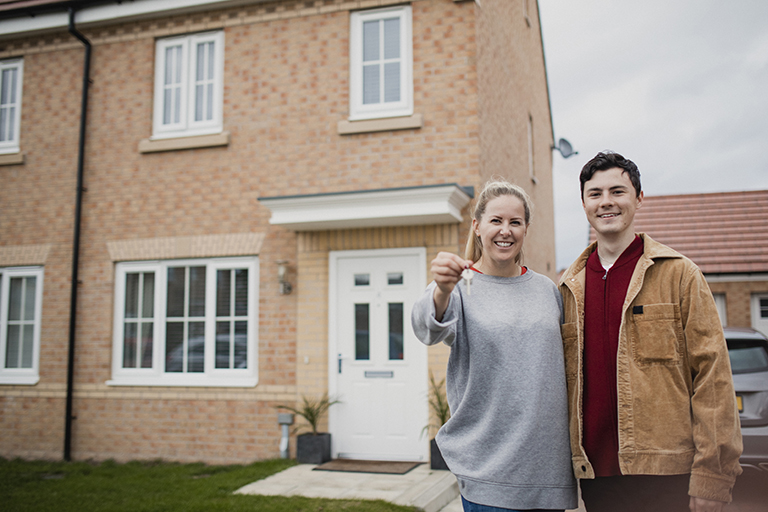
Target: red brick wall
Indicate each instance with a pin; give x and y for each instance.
(738, 299)
(511, 78)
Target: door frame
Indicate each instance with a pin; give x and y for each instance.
(333, 258)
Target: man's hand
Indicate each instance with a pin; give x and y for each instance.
(704, 505)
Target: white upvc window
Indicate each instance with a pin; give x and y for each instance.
(189, 84)
(186, 323)
(11, 75)
(531, 162)
(21, 302)
(381, 63)
(722, 311)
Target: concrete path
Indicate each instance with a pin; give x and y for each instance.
(426, 489)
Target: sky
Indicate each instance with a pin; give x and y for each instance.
(679, 87)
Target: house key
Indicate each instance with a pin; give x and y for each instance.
(467, 276)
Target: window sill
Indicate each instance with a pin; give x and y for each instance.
(248, 381)
(19, 380)
(380, 125)
(12, 159)
(197, 142)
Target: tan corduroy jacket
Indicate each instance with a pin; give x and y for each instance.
(677, 407)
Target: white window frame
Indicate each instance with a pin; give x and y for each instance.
(12, 145)
(759, 322)
(20, 376)
(211, 376)
(531, 162)
(187, 126)
(404, 107)
(526, 11)
(722, 310)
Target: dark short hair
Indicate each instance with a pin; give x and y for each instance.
(608, 160)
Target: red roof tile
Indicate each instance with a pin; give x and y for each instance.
(725, 232)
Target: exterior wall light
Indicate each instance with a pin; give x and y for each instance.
(282, 270)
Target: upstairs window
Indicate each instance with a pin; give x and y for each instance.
(21, 297)
(381, 63)
(189, 85)
(11, 72)
(186, 323)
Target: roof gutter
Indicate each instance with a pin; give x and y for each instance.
(76, 240)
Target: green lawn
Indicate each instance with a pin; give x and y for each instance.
(153, 486)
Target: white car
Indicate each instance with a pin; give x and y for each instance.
(748, 351)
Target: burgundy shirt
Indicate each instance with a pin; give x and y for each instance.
(604, 298)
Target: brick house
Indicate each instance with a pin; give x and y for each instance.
(725, 234)
(263, 186)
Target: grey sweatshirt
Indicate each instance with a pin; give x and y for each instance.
(507, 440)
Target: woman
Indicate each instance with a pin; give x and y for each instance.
(507, 439)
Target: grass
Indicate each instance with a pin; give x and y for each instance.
(37, 486)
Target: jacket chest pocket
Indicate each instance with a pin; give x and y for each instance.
(656, 334)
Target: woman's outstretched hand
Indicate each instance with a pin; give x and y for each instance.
(446, 270)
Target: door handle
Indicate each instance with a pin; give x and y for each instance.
(340, 362)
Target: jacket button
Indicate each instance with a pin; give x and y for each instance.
(584, 468)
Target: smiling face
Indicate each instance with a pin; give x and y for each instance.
(610, 202)
(502, 231)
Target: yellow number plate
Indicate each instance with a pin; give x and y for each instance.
(740, 403)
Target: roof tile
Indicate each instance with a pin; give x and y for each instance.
(723, 232)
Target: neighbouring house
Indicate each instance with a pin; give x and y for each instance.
(726, 235)
(248, 213)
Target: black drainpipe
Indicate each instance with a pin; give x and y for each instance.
(76, 241)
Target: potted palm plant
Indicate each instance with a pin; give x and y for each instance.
(312, 447)
(441, 412)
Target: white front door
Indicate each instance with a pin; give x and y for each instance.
(377, 367)
(760, 312)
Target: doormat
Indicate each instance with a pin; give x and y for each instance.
(368, 466)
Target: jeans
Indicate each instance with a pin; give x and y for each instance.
(474, 507)
(636, 493)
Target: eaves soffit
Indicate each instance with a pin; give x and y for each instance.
(28, 17)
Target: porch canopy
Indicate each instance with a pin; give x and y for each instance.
(405, 206)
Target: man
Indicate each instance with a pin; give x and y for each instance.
(653, 418)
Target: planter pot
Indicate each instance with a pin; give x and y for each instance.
(313, 449)
(435, 457)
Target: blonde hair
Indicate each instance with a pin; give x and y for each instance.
(494, 188)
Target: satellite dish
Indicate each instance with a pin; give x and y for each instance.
(565, 148)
